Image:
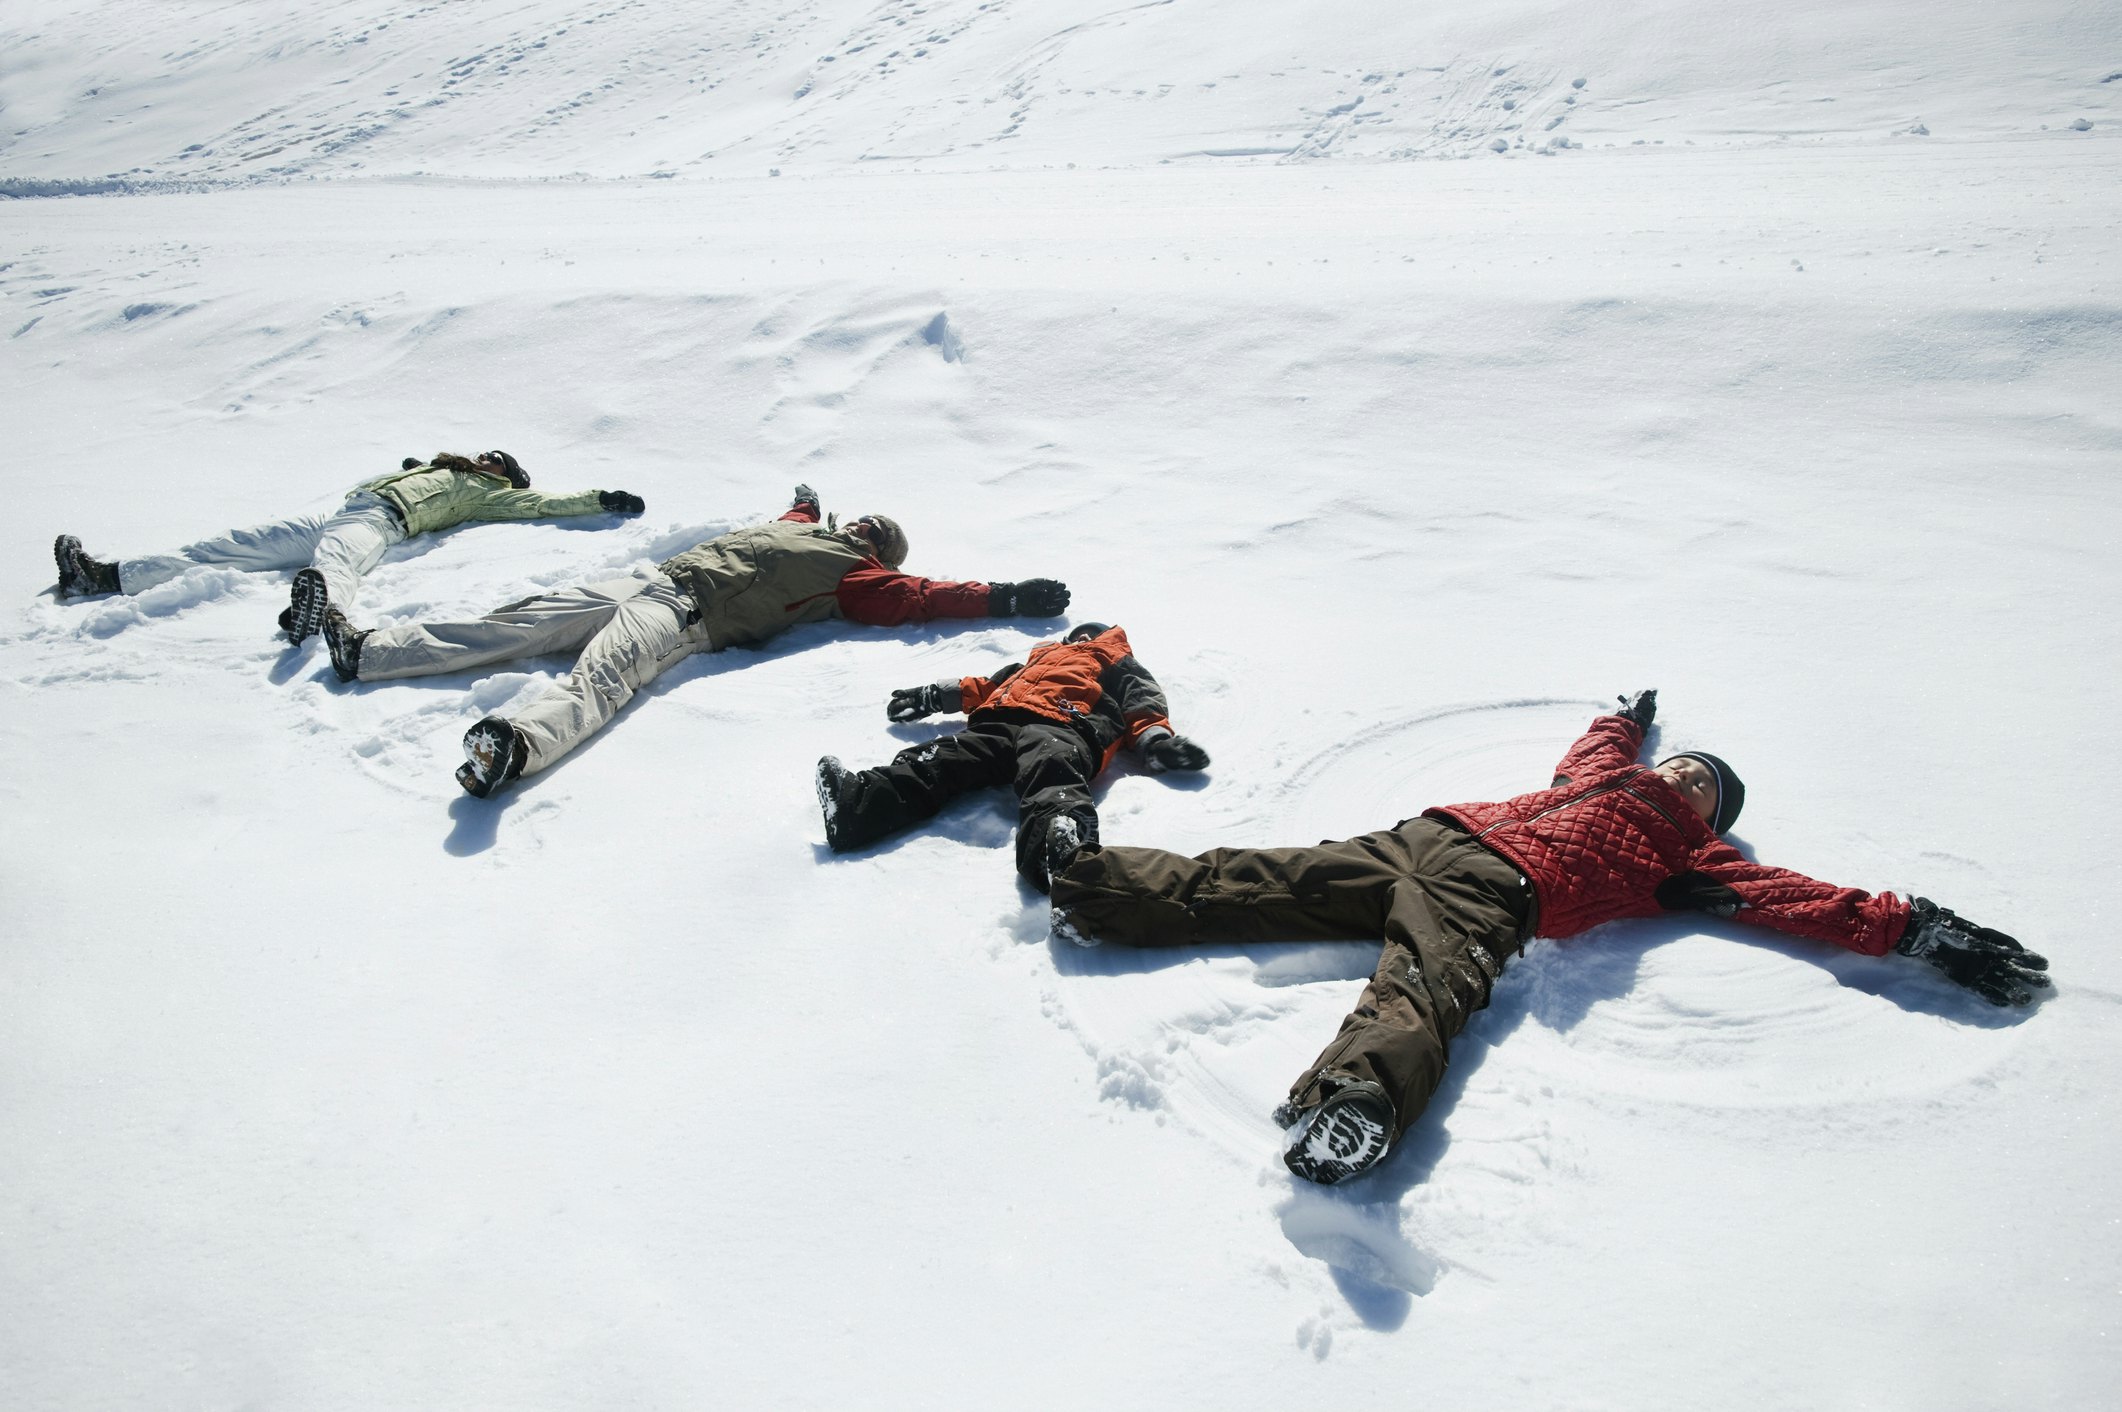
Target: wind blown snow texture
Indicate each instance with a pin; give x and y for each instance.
(329, 1087)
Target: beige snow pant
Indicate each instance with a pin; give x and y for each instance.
(628, 632)
(342, 546)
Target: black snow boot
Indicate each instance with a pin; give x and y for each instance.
(1065, 838)
(344, 640)
(494, 756)
(833, 782)
(79, 575)
(1345, 1136)
(306, 604)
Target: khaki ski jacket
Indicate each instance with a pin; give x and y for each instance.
(752, 583)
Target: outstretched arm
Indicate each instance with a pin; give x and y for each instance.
(1612, 742)
(1725, 883)
(912, 703)
(537, 505)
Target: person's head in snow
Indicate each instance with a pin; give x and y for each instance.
(332, 552)
(1712, 787)
(738, 588)
(883, 536)
(1047, 726)
(1457, 891)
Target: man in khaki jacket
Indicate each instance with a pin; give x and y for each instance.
(737, 588)
(420, 497)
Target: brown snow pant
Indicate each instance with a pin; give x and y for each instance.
(1448, 910)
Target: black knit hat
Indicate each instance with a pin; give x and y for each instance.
(1731, 790)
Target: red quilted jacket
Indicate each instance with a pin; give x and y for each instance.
(1599, 841)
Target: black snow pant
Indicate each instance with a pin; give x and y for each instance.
(1449, 912)
(1050, 766)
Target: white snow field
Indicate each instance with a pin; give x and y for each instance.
(1791, 385)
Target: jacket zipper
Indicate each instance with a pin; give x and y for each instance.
(1607, 788)
(1660, 808)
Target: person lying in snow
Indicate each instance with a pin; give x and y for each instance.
(1047, 727)
(420, 497)
(740, 587)
(1459, 889)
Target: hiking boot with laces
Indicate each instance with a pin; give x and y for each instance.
(79, 575)
(344, 640)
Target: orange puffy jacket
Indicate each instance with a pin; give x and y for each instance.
(1095, 685)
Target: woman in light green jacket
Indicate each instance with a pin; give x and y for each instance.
(337, 548)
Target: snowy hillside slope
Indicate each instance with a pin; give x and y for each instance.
(328, 1087)
(147, 94)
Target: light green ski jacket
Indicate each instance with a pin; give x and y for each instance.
(431, 499)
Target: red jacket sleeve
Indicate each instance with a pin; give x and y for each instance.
(886, 598)
(801, 515)
(1612, 742)
(1792, 902)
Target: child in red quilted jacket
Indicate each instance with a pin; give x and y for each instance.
(1456, 891)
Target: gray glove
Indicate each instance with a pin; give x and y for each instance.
(1983, 959)
(806, 499)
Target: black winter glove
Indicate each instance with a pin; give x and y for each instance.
(620, 503)
(1033, 598)
(1167, 751)
(409, 462)
(807, 499)
(1640, 707)
(1983, 959)
(911, 703)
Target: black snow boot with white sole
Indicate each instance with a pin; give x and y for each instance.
(306, 605)
(494, 756)
(79, 575)
(1345, 1136)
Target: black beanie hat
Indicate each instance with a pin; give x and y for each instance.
(1731, 790)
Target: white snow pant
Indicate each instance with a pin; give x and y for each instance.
(342, 546)
(629, 631)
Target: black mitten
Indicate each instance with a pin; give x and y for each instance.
(1983, 959)
(620, 503)
(1640, 707)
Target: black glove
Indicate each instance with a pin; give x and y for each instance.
(807, 499)
(1033, 598)
(1698, 892)
(911, 703)
(620, 503)
(409, 462)
(1641, 707)
(1983, 959)
(1167, 751)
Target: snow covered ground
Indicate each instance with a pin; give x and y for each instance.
(328, 1087)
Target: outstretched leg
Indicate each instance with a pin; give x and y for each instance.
(868, 805)
(647, 635)
(562, 620)
(1449, 927)
(279, 544)
(1055, 767)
